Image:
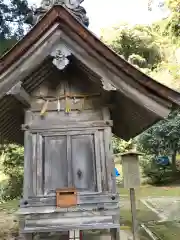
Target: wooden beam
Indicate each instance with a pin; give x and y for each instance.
(29, 61)
(20, 94)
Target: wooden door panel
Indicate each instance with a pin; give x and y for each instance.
(69, 160)
(83, 160)
(55, 163)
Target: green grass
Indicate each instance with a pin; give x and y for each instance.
(8, 223)
(147, 190)
(10, 206)
(143, 215)
(143, 235)
(165, 230)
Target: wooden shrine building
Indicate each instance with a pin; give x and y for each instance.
(62, 94)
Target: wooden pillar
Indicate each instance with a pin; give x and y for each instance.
(131, 175)
(28, 169)
(115, 234)
(133, 212)
(74, 235)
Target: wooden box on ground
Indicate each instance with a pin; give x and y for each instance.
(66, 198)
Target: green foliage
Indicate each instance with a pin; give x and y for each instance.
(13, 15)
(6, 44)
(171, 25)
(155, 173)
(121, 146)
(135, 59)
(163, 138)
(12, 166)
(155, 50)
(138, 45)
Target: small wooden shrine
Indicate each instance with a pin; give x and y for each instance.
(62, 94)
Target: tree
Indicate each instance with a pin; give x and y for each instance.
(138, 45)
(121, 146)
(163, 138)
(12, 167)
(174, 19)
(13, 15)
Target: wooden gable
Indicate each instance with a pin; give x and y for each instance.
(135, 100)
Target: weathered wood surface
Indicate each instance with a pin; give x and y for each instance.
(65, 151)
(52, 212)
(73, 154)
(28, 163)
(55, 163)
(69, 156)
(76, 211)
(73, 116)
(69, 224)
(89, 104)
(40, 165)
(28, 168)
(31, 59)
(131, 171)
(115, 234)
(20, 94)
(60, 125)
(98, 162)
(82, 199)
(83, 162)
(108, 156)
(103, 162)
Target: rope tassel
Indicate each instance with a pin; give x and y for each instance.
(68, 107)
(44, 108)
(58, 106)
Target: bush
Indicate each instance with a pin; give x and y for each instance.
(136, 59)
(12, 167)
(155, 173)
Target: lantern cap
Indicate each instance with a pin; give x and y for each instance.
(131, 152)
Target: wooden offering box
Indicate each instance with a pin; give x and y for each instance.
(66, 198)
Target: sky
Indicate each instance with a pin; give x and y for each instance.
(106, 13)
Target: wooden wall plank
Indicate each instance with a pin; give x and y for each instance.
(56, 168)
(69, 160)
(28, 170)
(103, 161)
(109, 166)
(34, 164)
(82, 162)
(40, 165)
(98, 162)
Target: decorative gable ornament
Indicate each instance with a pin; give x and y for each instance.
(73, 6)
(107, 86)
(60, 54)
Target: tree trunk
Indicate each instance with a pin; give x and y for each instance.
(173, 161)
